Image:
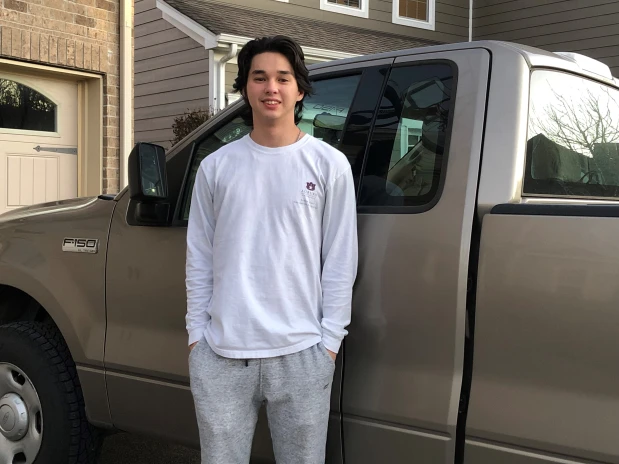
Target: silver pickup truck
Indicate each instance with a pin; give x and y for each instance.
(485, 324)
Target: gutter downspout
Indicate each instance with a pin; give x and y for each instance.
(221, 84)
(126, 89)
(470, 20)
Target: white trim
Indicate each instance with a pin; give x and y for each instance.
(51, 135)
(328, 54)
(56, 72)
(217, 59)
(212, 80)
(311, 53)
(397, 19)
(126, 102)
(184, 23)
(221, 64)
(224, 39)
(362, 12)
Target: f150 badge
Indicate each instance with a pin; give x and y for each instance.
(80, 245)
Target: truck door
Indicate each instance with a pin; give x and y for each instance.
(146, 345)
(545, 387)
(404, 352)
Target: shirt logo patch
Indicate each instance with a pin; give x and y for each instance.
(309, 196)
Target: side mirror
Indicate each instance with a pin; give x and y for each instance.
(329, 121)
(148, 185)
(147, 173)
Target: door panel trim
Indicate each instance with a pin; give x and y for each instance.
(397, 444)
(579, 210)
(149, 379)
(481, 452)
(399, 427)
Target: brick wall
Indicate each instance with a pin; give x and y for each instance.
(77, 34)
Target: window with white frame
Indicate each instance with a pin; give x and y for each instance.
(414, 13)
(350, 7)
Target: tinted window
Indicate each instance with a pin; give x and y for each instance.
(408, 143)
(24, 108)
(324, 117)
(231, 131)
(325, 112)
(573, 137)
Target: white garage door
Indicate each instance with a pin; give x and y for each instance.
(38, 140)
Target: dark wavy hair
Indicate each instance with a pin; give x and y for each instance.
(278, 44)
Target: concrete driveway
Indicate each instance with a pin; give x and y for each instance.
(125, 448)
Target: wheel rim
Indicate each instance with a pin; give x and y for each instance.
(21, 417)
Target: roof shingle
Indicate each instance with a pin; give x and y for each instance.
(225, 19)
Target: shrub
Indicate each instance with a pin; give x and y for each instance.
(188, 122)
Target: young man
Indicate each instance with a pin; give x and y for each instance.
(271, 262)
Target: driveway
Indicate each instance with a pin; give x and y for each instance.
(125, 448)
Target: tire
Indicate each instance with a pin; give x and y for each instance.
(39, 352)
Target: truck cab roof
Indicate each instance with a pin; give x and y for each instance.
(535, 57)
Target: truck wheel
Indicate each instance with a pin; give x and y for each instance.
(42, 415)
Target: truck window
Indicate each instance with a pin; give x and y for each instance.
(324, 116)
(573, 137)
(410, 137)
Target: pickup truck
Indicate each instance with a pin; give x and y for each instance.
(485, 317)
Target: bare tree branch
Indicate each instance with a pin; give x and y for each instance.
(579, 125)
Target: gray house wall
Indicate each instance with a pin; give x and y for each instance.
(171, 75)
(588, 27)
(452, 17)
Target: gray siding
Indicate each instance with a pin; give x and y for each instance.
(171, 75)
(452, 17)
(577, 26)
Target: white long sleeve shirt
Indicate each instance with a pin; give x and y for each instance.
(271, 249)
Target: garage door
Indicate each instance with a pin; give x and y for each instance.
(38, 140)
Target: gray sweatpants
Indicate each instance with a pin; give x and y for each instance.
(228, 393)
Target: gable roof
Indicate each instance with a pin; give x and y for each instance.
(247, 22)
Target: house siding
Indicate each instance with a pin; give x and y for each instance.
(171, 75)
(589, 28)
(451, 25)
(75, 34)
